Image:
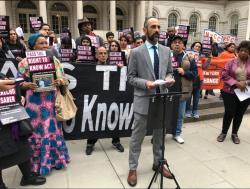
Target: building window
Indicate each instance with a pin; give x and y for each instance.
(91, 13)
(234, 24)
(119, 12)
(24, 21)
(212, 23)
(26, 4)
(25, 10)
(89, 9)
(193, 23)
(172, 20)
(119, 24)
(59, 17)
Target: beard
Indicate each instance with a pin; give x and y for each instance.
(154, 37)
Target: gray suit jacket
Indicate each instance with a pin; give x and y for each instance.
(140, 70)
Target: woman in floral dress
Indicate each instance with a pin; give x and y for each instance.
(47, 142)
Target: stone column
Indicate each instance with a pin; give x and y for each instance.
(132, 14)
(138, 15)
(43, 10)
(112, 16)
(150, 8)
(2, 8)
(79, 9)
(248, 23)
(142, 15)
(105, 16)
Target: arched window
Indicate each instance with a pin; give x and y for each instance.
(234, 23)
(172, 19)
(119, 19)
(89, 9)
(26, 4)
(212, 23)
(193, 23)
(59, 17)
(91, 13)
(25, 10)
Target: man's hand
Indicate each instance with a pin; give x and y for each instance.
(180, 71)
(150, 85)
(7, 84)
(29, 85)
(19, 59)
(170, 81)
(241, 85)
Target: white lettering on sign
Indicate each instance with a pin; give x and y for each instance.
(7, 99)
(106, 74)
(114, 116)
(32, 54)
(72, 80)
(9, 65)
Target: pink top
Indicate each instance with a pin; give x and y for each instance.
(229, 76)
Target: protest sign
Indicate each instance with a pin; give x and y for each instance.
(4, 26)
(35, 23)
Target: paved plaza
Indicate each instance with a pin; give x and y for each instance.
(199, 163)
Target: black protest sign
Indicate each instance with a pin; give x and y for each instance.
(10, 109)
(41, 69)
(116, 58)
(4, 26)
(206, 46)
(66, 55)
(162, 37)
(85, 53)
(35, 23)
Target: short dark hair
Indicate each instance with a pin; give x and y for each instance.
(109, 34)
(44, 24)
(145, 25)
(137, 38)
(244, 44)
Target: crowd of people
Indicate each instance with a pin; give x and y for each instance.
(147, 60)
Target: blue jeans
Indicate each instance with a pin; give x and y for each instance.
(196, 98)
(182, 108)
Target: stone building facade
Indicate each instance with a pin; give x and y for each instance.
(227, 17)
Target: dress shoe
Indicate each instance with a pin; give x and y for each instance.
(132, 178)
(89, 149)
(166, 172)
(235, 139)
(33, 180)
(118, 147)
(221, 137)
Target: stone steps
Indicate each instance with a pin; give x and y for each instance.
(210, 108)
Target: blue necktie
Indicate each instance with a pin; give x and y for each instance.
(156, 62)
(156, 66)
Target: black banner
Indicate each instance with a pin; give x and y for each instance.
(103, 97)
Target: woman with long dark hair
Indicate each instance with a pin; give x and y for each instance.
(15, 46)
(236, 75)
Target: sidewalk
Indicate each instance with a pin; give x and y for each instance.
(199, 163)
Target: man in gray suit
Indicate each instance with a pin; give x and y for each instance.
(147, 63)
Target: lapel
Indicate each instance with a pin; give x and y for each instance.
(148, 60)
(161, 63)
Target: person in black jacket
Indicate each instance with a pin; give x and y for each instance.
(15, 46)
(14, 148)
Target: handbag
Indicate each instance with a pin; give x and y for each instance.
(65, 106)
(25, 128)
